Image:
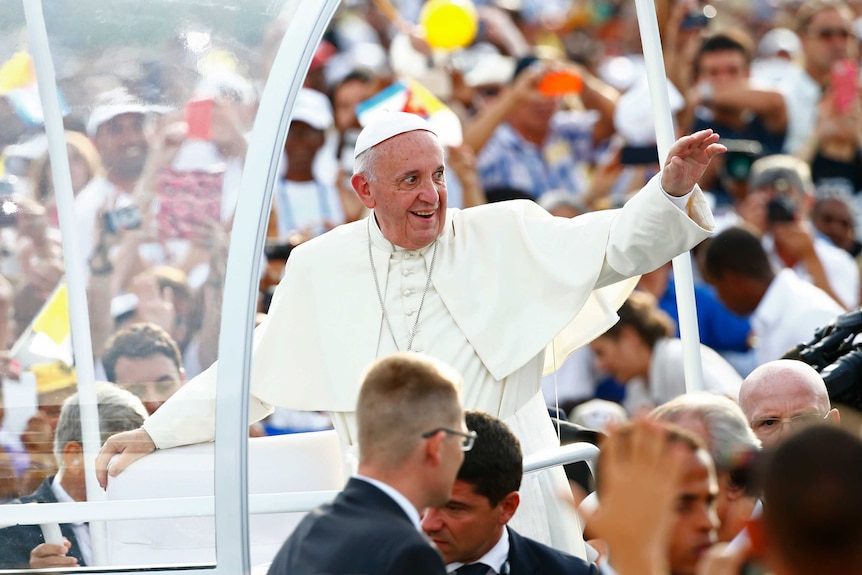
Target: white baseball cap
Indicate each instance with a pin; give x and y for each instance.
(779, 40)
(111, 104)
(387, 125)
(312, 108)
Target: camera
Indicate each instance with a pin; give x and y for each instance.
(639, 155)
(836, 355)
(124, 218)
(740, 155)
(780, 209)
(277, 250)
(8, 211)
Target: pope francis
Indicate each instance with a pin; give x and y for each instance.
(501, 292)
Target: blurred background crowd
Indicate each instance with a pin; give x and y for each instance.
(541, 101)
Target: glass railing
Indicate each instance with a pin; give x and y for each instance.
(141, 143)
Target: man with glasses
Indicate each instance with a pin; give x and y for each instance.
(783, 396)
(412, 440)
(823, 27)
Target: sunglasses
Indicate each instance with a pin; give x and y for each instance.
(831, 33)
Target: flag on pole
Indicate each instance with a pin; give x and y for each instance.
(48, 338)
(408, 95)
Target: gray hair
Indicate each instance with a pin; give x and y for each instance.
(365, 164)
(119, 410)
(728, 429)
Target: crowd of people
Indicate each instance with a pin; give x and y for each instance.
(552, 258)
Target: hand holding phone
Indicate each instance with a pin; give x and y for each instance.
(561, 83)
(199, 117)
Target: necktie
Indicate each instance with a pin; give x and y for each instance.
(473, 569)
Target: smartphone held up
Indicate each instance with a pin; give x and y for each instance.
(556, 83)
(844, 81)
(199, 117)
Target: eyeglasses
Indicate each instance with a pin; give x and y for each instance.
(466, 443)
(830, 33)
(770, 425)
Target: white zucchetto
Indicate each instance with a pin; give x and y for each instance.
(388, 125)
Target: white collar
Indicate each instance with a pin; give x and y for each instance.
(496, 557)
(61, 494)
(398, 498)
(378, 240)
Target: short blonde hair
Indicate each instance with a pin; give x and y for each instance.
(403, 396)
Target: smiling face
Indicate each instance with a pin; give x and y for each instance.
(122, 145)
(405, 185)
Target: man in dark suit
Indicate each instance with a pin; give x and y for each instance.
(411, 442)
(23, 546)
(470, 528)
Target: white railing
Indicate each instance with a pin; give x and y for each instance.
(35, 514)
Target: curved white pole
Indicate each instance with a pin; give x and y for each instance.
(291, 63)
(682, 272)
(76, 279)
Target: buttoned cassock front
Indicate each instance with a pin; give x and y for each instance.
(509, 281)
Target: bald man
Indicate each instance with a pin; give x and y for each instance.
(782, 395)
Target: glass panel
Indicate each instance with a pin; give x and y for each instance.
(159, 99)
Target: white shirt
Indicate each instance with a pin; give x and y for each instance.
(306, 205)
(667, 377)
(81, 530)
(838, 265)
(396, 496)
(495, 558)
(789, 313)
(801, 94)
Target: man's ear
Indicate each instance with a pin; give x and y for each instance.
(434, 448)
(834, 416)
(363, 190)
(509, 504)
(73, 457)
(182, 375)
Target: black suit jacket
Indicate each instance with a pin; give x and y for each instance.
(362, 532)
(528, 557)
(16, 542)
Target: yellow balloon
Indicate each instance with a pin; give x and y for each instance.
(449, 24)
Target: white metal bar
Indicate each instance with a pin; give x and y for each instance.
(165, 508)
(561, 455)
(76, 279)
(683, 276)
(261, 503)
(273, 117)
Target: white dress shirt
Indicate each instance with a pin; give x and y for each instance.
(496, 558)
(81, 530)
(789, 313)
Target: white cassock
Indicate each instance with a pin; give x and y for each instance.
(509, 281)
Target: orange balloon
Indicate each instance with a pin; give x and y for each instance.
(449, 24)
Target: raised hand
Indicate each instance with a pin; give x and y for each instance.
(687, 161)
